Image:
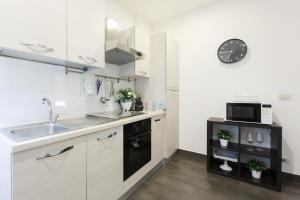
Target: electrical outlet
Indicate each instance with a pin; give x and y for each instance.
(285, 97)
(60, 103)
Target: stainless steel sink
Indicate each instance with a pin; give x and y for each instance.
(23, 133)
(34, 131)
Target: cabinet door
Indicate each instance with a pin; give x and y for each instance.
(61, 175)
(142, 44)
(172, 118)
(172, 62)
(35, 26)
(105, 164)
(158, 139)
(86, 32)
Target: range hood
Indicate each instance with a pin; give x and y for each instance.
(120, 54)
(119, 46)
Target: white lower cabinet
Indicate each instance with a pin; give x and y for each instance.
(105, 164)
(172, 122)
(56, 171)
(158, 139)
(84, 168)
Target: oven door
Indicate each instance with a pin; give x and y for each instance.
(137, 152)
(244, 112)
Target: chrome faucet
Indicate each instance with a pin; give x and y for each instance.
(52, 116)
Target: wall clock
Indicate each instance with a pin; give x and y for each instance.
(232, 51)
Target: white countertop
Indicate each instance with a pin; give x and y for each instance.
(33, 143)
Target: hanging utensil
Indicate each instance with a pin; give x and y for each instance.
(98, 83)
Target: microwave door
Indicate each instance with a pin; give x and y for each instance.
(244, 112)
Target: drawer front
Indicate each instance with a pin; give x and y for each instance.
(56, 171)
(105, 164)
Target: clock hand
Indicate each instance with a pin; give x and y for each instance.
(226, 51)
(229, 54)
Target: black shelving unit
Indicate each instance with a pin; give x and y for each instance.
(271, 154)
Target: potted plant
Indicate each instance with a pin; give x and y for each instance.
(224, 136)
(126, 96)
(256, 167)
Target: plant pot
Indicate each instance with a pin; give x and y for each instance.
(126, 105)
(224, 143)
(256, 174)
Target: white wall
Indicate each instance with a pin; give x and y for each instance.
(24, 83)
(271, 68)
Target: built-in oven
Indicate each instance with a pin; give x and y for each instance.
(137, 146)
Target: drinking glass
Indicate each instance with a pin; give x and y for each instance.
(260, 139)
(250, 139)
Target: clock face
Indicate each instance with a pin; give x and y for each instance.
(232, 51)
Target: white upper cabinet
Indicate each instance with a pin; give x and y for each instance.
(86, 32)
(139, 68)
(35, 26)
(142, 44)
(56, 171)
(172, 62)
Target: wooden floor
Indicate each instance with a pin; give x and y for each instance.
(185, 178)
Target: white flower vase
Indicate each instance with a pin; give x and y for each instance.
(224, 143)
(126, 105)
(256, 174)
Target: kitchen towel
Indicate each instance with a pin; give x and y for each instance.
(88, 85)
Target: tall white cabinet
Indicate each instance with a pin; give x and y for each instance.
(163, 85)
(172, 118)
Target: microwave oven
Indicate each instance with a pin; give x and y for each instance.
(249, 112)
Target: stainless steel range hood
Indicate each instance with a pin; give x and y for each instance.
(119, 47)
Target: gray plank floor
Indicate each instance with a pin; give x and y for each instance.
(185, 178)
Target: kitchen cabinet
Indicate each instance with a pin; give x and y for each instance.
(172, 119)
(142, 44)
(56, 171)
(158, 139)
(34, 26)
(139, 68)
(172, 64)
(163, 85)
(105, 164)
(86, 32)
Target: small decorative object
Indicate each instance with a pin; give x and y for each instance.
(232, 51)
(126, 97)
(226, 156)
(259, 139)
(138, 104)
(250, 140)
(224, 136)
(256, 167)
(149, 106)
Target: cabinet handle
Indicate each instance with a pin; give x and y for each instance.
(157, 120)
(108, 137)
(88, 60)
(41, 48)
(49, 155)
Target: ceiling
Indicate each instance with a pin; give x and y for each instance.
(158, 10)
